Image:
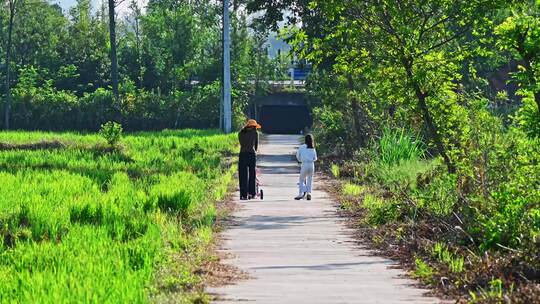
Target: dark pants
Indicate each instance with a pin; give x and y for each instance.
(246, 173)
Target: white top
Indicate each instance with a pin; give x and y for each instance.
(306, 155)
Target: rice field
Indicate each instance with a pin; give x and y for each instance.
(83, 223)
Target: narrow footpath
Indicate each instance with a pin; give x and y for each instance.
(300, 251)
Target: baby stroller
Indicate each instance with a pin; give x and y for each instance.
(258, 183)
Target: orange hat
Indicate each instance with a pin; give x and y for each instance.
(252, 123)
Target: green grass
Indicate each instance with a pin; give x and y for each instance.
(380, 211)
(492, 294)
(335, 170)
(79, 224)
(405, 173)
(396, 146)
(351, 189)
(423, 270)
(454, 262)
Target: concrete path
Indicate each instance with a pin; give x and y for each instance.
(298, 251)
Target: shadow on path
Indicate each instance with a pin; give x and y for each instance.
(265, 222)
(331, 266)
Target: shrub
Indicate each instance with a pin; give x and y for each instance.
(112, 132)
(330, 127)
(380, 211)
(95, 109)
(440, 196)
(528, 118)
(38, 105)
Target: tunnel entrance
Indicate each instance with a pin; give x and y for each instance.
(284, 119)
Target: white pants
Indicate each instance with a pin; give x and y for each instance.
(306, 178)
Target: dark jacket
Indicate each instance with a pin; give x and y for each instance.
(249, 140)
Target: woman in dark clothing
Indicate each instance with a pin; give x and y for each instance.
(249, 144)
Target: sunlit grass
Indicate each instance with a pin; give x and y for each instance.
(454, 262)
(335, 170)
(396, 146)
(352, 189)
(422, 270)
(79, 224)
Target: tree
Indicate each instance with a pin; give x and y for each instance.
(13, 6)
(520, 34)
(136, 15)
(87, 49)
(416, 44)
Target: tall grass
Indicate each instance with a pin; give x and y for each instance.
(82, 225)
(397, 146)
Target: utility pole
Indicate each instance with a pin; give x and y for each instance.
(227, 108)
(114, 60)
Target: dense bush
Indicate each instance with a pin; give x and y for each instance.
(45, 108)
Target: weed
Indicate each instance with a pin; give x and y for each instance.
(352, 189)
(379, 211)
(422, 269)
(441, 252)
(405, 174)
(112, 132)
(494, 291)
(396, 146)
(335, 170)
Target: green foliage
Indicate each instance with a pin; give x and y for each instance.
(396, 147)
(520, 34)
(403, 175)
(169, 66)
(380, 211)
(112, 132)
(441, 252)
(527, 117)
(440, 196)
(423, 270)
(329, 127)
(352, 189)
(494, 291)
(81, 225)
(335, 170)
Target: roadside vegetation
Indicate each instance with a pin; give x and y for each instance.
(473, 241)
(109, 218)
(428, 114)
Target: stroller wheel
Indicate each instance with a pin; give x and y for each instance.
(261, 194)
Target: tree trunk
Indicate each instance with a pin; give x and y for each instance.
(7, 108)
(114, 61)
(432, 129)
(358, 130)
(140, 75)
(537, 99)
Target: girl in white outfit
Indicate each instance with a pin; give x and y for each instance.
(307, 155)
